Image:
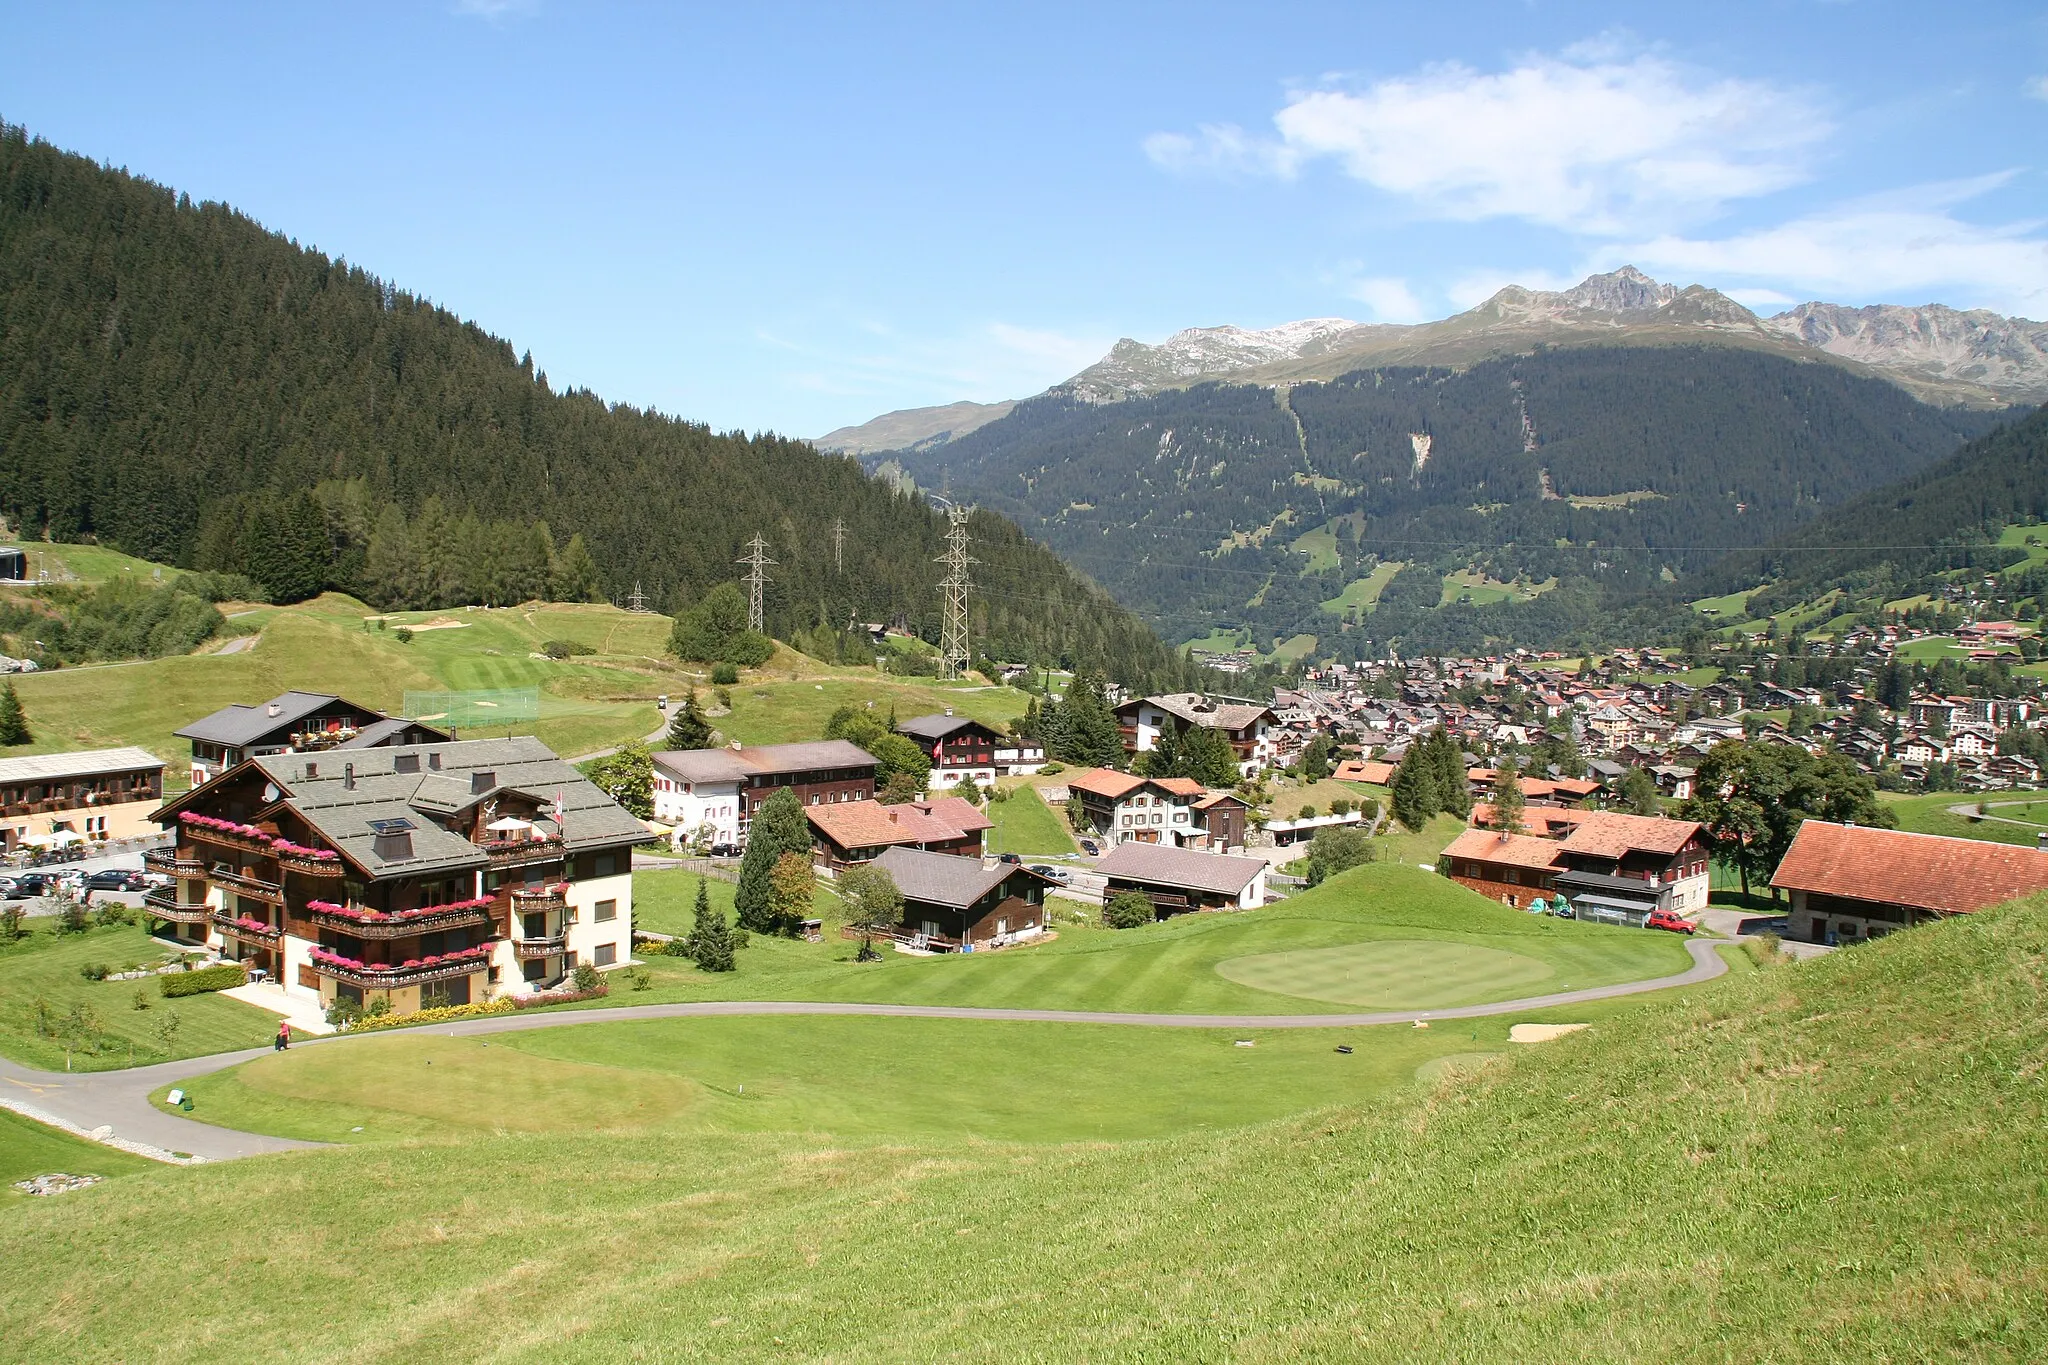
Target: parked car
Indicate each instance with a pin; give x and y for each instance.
(30, 884)
(1091, 848)
(113, 879)
(1009, 858)
(1668, 919)
(1051, 873)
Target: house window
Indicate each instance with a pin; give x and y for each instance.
(603, 911)
(605, 955)
(607, 864)
(814, 798)
(1514, 877)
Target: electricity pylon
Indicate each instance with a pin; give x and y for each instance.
(757, 560)
(955, 656)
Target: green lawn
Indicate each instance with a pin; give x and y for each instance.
(1830, 1160)
(782, 712)
(28, 1148)
(1320, 545)
(1930, 815)
(40, 975)
(90, 564)
(1418, 847)
(1294, 648)
(665, 901)
(842, 1078)
(1025, 824)
(1364, 593)
(1171, 967)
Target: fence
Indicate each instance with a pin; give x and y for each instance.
(483, 708)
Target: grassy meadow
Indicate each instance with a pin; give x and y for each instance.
(95, 1025)
(1930, 814)
(1024, 824)
(587, 701)
(1836, 1159)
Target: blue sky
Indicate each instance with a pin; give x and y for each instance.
(794, 217)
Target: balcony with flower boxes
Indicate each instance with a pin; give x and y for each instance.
(224, 833)
(164, 904)
(379, 976)
(534, 949)
(519, 852)
(171, 863)
(307, 862)
(245, 882)
(540, 900)
(251, 931)
(360, 921)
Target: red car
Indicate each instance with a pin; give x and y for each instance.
(1668, 919)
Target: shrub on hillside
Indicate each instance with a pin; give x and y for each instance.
(725, 675)
(1128, 910)
(224, 977)
(565, 649)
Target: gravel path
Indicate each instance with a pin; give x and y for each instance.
(119, 1100)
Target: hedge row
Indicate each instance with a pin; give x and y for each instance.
(504, 1004)
(220, 978)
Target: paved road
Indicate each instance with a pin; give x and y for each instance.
(119, 1099)
(1968, 810)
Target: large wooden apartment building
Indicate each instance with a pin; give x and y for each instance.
(55, 800)
(1606, 864)
(432, 873)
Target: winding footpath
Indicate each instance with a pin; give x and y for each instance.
(114, 1105)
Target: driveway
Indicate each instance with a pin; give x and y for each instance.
(119, 1100)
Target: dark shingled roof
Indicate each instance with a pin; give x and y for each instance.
(1165, 865)
(522, 765)
(241, 724)
(942, 878)
(936, 726)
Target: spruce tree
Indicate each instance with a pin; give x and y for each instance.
(13, 720)
(778, 827)
(1508, 803)
(688, 729)
(1415, 800)
(710, 940)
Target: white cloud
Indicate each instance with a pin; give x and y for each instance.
(1587, 142)
(1902, 248)
(988, 362)
(1476, 287)
(1757, 300)
(1389, 298)
(2037, 88)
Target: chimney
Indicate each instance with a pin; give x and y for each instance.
(348, 776)
(482, 781)
(312, 771)
(434, 761)
(273, 710)
(736, 746)
(949, 710)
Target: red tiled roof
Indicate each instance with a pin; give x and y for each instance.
(1180, 786)
(956, 811)
(1357, 770)
(1610, 834)
(870, 824)
(1924, 871)
(1105, 782)
(1512, 850)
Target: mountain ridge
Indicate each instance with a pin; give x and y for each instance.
(1972, 357)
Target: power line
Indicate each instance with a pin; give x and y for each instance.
(756, 559)
(955, 656)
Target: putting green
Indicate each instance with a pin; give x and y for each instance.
(1392, 974)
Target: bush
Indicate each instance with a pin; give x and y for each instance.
(203, 981)
(95, 971)
(71, 917)
(112, 912)
(1307, 813)
(1050, 769)
(640, 979)
(1128, 910)
(343, 1012)
(565, 649)
(586, 977)
(403, 635)
(140, 1000)
(725, 675)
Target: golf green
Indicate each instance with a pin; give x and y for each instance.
(1391, 974)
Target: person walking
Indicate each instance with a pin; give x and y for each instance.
(284, 1035)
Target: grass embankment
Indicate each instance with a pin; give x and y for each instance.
(1173, 966)
(587, 701)
(95, 1023)
(1930, 814)
(1831, 1160)
(1025, 825)
(28, 1148)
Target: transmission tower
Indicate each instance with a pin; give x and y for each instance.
(954, 655)
(638, 600)
(756, 560)
(839, 545)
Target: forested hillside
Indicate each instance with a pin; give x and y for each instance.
(1902, 540)
(1588, 472)
(181, 383)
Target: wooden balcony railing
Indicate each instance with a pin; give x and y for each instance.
(355, 922)
(518, 853)
(265, 936)
(379, 977)
(528, 949)
(172, 864)
(307, 865)
(164, 904)
(539, 901)
(246, 883)
(227, 838)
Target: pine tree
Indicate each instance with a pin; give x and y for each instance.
(778, 827)
(710, 941)
(1416, 800)
(1508, 803)
(13, 720)
(575, 573)
(688, 729)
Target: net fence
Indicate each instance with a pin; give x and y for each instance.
(484, 708)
